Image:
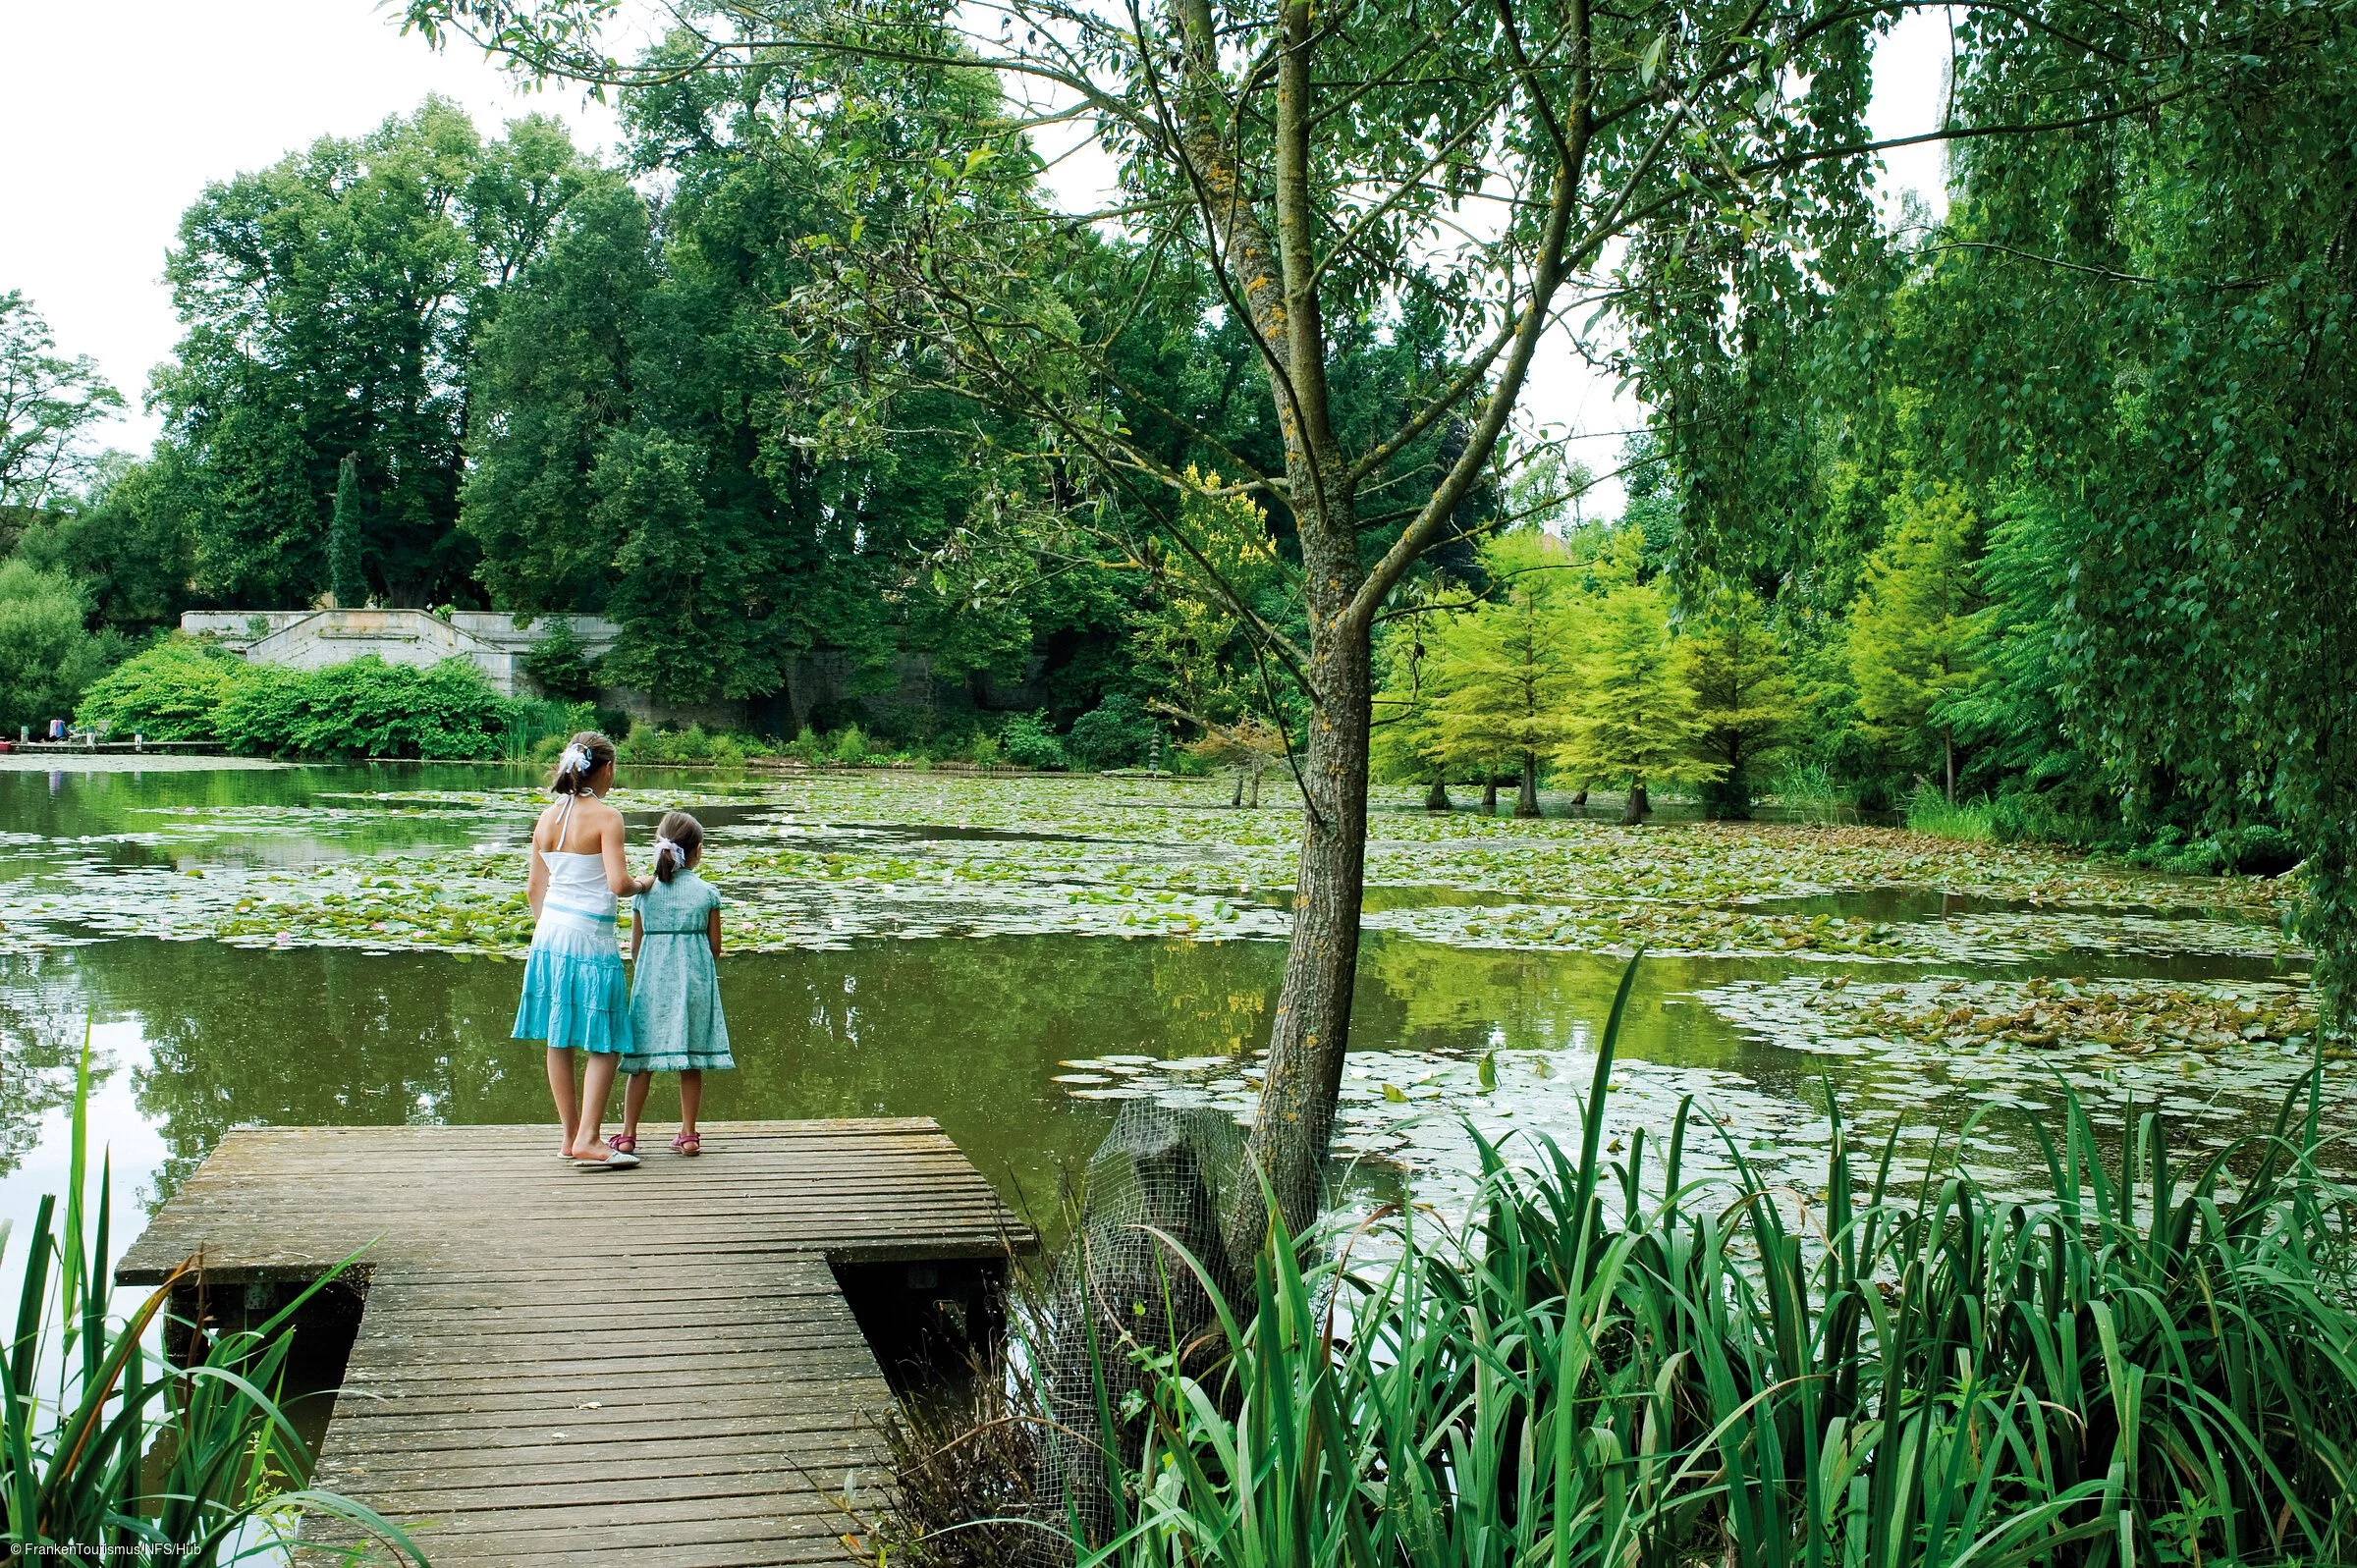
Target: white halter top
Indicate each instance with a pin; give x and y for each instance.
(577, 882)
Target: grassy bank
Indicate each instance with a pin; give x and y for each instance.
(1606, 1363)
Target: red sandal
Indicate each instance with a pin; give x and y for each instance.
(622, 1144)
(687, 1143)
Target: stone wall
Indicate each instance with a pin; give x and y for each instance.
(826, 683)
(312, 639)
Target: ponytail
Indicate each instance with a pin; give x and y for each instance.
(678, 839)
(582, 756)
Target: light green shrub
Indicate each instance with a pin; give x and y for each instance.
(367, 708)
(171, 691)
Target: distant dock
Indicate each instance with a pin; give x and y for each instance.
(679, 1365)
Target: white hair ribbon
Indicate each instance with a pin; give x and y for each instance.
(669, 846)
(574, 760)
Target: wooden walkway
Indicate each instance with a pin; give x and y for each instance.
(558, 1367)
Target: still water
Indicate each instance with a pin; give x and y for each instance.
(1015, 958)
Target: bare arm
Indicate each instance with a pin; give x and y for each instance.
(712, 931)
(637, 933)
(535, 881)
(618, 870)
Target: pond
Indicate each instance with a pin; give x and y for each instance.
(1015, 956)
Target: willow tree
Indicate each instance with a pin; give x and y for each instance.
(1319, 174)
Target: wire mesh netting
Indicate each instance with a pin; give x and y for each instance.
(1163, 1193)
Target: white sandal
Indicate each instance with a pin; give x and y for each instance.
(614, 1160)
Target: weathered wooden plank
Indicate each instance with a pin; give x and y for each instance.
(555, 1366)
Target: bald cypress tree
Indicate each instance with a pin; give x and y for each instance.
(1637, 725)
(1508, 671)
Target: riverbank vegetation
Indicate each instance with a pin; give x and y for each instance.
(107, 1451)
(1614, 1356)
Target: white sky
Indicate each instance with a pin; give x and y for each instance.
(116, 125)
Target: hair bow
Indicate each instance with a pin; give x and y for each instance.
(669, 846)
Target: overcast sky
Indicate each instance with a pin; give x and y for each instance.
(116, 118)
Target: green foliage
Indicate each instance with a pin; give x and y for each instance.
(47, 408)
(347, 582)
(47, 658)
(330, 304)
(559, 664)
(2010, 710)
(1504, 675)
(186, 689)
(2129, 350)
(128, 543)
(1911, 632)
(1929, 810)
(2256, 849)
(1114, 734)
(691, 746)
(1614, 1362)
(127, 1456)
(1743, 695)
(1637, 725)
(532, 725)
(1404, 744)
(172, 690)
(1030, 742)
(850, 747)
(366, 708)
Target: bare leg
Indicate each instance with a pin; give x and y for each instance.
(633, 1101)
(597, 1086)
(560, 1088)
(692, 1097)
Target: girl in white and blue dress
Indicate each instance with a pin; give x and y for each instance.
(575, 994)
(675, 1022)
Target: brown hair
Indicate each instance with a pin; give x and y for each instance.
(572, 776)
(681, 829)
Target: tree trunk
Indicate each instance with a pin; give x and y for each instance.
(1312, 1026)
(1489, 796)
(1437, 797)
(1252, 801)
(1638, 808)
(1235, 801)
(1579, 798)
(1526, 803)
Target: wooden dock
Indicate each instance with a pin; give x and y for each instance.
(557, 1367)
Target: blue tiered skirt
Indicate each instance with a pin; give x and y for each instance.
(575, 995)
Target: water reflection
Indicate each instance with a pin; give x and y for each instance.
(967, 1031)
(195, 1037)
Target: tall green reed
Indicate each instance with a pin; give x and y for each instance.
(126, 1454)
(1608, 1364)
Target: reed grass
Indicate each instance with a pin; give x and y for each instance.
(126, 1456)
(1610, 1363)
(1930, 811)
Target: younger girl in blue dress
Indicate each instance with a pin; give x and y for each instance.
(676, 1022)
(575, 994)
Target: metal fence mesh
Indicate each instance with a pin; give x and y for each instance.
(1163, 1182)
